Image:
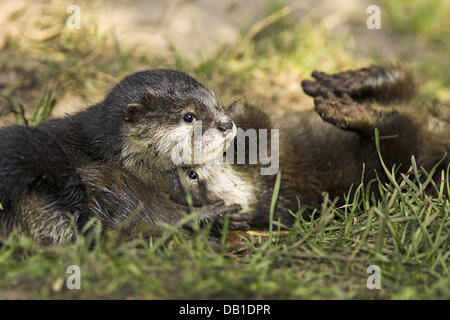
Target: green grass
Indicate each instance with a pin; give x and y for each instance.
(426, 24)
(42, 111)
(404, 232)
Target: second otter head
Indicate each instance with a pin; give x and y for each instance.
(211, 182)
(169, 119)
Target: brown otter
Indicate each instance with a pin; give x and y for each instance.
(122, 202)
(146, 124)
(319, 156)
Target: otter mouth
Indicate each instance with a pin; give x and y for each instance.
(214, 145)
(218, 149)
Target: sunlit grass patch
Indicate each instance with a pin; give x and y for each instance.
(404, 233)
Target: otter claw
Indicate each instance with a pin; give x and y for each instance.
(216, 211)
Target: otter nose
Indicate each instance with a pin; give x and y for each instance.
(225, 125)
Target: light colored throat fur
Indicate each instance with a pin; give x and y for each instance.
(230, 185)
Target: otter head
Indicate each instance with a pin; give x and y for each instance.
(169, 119)
(210, 182)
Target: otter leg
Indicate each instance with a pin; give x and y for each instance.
(401, 135)
(381, 84)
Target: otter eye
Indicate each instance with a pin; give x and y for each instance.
(193, 176)
(188, 117)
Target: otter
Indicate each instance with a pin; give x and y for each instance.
(331, 148)
(145, 125)
(121, 202)
(322, 150)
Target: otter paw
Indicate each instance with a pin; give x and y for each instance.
(237, 221)
(356, 83)
(345, 113)
(315, 88)
(216, 211)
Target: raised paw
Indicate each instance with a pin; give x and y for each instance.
(345, 113)
(349, 82)
(371, 83)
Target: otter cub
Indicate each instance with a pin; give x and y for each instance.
(146, 124)
(122, 202)
(319, 156)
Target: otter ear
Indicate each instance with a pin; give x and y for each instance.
(235, 108)
(134, 111)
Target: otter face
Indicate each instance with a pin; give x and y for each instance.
(170, 119)
(194, 132)
(211, 182)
